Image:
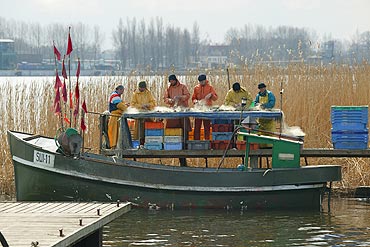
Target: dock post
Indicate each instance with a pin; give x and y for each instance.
(329, 196)
(3, 241)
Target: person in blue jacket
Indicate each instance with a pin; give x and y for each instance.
(266, 100)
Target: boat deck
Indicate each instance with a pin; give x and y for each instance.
(56, 224)
(306, 152)
(50, 145)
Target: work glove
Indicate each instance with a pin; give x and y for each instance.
(208, 96)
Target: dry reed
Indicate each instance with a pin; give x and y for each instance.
(309, 91)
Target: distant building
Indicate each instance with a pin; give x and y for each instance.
(7, 54)
(214, 56)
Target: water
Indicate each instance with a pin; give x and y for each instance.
(347, 224)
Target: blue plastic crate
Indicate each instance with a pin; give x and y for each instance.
(221, 136)
(349, 114)
(221, 121)
(154, 132)
(173, 146)
(135, 143)
(350, 139)
(349, 125)
(350, 145)
(358, 135)
(153, 146)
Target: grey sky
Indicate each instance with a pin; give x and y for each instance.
(340, 18)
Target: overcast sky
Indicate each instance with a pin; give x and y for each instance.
(340, 18)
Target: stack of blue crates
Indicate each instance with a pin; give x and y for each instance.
(349, 127)
(154, 135)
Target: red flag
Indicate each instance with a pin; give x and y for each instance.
(57, 98)
(77, 91)
(69, 47)
(70, 100)
(78, 69)
(64, 72)
(64, 92)
(83, 126)
(56, 53)
(66, 119)
(58, 82)
(57, 110)
(75, 112)
(84, 106)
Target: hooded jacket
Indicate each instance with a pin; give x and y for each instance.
(143, 98)
(201, 91)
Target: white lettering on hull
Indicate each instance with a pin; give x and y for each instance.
(42, 158)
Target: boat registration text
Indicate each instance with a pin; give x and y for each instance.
(42, 158)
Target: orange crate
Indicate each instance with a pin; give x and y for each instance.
(154, 125)
(191, 134)
(221, 145)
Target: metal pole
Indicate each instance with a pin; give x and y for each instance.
(281, 105)
(228, 76)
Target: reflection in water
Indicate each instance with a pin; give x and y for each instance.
(348, 224)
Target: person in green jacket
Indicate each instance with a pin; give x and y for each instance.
(234, 96)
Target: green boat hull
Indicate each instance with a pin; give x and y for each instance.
(98, 178)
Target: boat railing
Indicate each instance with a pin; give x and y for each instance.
(125, 146)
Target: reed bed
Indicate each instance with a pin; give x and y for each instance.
(309, 92)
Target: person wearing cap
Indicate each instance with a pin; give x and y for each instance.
(177, 95)
(116, 107)
(266, 100)
(142, 100)
(234, 96)
(204, 94)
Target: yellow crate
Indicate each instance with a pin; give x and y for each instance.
(173, 132)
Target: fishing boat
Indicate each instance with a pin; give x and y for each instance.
(44, 173)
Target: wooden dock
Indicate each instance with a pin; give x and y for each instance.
(56, 224)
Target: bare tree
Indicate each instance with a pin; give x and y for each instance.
(195, 40)
(98, 39)
(120, 42)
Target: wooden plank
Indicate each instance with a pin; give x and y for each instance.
(5, 206)
(26, 222)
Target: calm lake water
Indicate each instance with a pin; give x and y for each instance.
(347, 224)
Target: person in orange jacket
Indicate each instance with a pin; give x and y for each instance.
(203, 94)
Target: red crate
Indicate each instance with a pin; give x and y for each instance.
(221, 145)
(222, 127)
(154, 125)
(242, 144)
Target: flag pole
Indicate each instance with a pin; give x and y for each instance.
(77, 94)
(57, 56)
(69, 50)
(64, 91)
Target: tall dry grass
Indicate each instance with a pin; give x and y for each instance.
(309, 92)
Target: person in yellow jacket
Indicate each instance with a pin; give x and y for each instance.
(234, 96)
(143, 100)
(116, 107)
